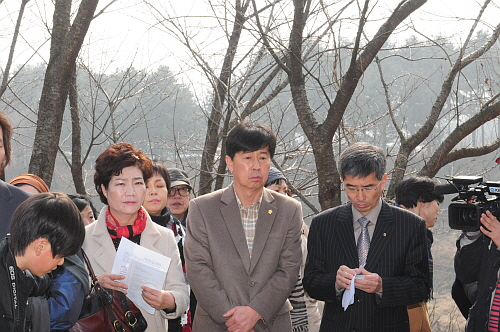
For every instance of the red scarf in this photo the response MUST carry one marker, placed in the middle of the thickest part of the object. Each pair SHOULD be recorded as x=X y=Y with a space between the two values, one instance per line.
x=117 y=232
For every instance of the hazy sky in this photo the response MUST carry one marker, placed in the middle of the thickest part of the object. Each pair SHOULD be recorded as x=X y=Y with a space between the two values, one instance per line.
x=127 y=34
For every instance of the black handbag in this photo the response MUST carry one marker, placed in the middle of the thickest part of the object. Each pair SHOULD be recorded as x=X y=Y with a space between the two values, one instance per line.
x=107 y=310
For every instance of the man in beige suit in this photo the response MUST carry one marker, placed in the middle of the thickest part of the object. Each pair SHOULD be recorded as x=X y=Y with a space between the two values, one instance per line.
x=242 y=247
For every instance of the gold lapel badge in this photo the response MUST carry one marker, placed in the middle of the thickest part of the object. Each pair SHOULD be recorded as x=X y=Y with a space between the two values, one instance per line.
x=269 y=211
x=385 y=234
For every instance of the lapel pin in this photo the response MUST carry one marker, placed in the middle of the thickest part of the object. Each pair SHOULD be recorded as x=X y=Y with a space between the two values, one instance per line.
x=269 y=211
x=385 y=234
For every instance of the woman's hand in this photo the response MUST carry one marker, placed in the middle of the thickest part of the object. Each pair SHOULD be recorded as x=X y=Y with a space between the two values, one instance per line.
x=111 y=281
x=158 y=299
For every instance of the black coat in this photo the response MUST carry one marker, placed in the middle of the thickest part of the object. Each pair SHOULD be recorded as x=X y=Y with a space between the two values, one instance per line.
x=398 y=254
x=479 y=262
x=13 y=308
x=10 y=198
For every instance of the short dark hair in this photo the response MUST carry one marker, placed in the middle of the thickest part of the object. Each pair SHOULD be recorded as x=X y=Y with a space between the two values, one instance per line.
x=7 y=134
x=416 y=189
x=161 y=170
x=113 y=160
x=248 y=137
x=81 y=201
x=362 y=159
x=52 y=216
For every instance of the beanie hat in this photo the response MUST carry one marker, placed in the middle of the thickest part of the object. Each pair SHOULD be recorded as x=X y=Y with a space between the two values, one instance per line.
x=178 y=177
x=32 y=180
x=274 y=174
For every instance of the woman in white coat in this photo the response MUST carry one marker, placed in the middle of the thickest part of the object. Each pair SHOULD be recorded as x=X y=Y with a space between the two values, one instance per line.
x=120 y=179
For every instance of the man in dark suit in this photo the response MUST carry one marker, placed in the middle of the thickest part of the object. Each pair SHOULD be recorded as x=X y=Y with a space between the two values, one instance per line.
x=242 y=247
x=389 y=240
x=10 y=196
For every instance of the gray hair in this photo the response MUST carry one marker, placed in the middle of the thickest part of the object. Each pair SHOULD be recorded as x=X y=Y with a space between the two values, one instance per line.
x=362 y=159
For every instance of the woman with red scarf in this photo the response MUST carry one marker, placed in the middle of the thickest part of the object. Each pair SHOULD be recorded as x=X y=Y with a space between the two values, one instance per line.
x=120 y=179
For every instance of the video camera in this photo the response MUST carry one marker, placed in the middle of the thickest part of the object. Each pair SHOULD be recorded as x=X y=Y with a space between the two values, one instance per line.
x=471 y=201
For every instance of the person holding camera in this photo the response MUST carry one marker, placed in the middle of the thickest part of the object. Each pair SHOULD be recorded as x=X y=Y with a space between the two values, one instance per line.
x=477 y=264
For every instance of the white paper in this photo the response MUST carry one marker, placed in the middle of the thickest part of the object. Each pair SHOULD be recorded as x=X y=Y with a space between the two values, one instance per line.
x=141 y=267
x=348 y=296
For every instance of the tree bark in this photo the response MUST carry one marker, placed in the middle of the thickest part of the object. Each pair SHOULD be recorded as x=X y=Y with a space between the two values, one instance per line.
x=65 y=46
x=76 y=138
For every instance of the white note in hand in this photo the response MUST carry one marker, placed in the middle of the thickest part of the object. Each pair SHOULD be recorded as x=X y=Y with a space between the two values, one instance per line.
x=141 y=267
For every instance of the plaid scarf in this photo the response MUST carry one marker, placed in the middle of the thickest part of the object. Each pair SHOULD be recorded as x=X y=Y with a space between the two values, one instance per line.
x=117 y=232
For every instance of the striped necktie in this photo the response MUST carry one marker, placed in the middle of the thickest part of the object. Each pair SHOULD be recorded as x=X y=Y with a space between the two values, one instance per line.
x=495 y=310
x=363 y=240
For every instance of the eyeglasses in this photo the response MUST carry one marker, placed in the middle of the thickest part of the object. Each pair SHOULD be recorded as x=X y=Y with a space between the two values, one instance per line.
x=364 y=190
x=183 y=191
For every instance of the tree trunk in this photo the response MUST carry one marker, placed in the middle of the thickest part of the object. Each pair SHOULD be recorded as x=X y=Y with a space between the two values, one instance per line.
x=65 y=46
x=76 y=138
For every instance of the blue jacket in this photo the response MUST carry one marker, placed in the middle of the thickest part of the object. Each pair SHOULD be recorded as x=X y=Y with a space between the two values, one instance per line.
x=70 y=284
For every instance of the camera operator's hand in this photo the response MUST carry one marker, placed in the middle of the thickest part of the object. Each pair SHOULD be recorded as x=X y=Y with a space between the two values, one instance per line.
x=491 y=227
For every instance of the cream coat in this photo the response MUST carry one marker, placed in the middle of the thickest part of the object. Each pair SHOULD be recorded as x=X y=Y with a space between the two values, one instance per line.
x=101 y=252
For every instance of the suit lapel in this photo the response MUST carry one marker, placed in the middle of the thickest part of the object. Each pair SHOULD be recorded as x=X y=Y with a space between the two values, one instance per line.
x=232 y=218
x=5 y=193
x=267 y=215
x=346 y=236
x=381 y=236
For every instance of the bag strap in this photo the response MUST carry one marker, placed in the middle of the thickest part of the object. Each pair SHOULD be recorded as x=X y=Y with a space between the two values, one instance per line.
x=95 y=282
x=89 y=267
x=129 y=315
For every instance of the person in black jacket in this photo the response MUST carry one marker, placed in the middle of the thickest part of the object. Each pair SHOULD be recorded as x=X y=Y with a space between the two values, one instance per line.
x=477 y=264
x=10 y=196
x=396 y=273
x=44 y=229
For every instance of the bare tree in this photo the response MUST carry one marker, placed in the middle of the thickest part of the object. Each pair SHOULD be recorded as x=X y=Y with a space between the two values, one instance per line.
x=442 y=155
x=321 y=134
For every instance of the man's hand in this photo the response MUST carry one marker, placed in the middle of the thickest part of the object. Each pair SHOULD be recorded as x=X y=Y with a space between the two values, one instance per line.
x=371 y=283
x=344 y=276
x=491 y=227
x=243 y=319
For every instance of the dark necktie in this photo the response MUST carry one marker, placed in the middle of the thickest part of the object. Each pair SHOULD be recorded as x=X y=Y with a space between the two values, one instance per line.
x=495 y=310
x=363 y=240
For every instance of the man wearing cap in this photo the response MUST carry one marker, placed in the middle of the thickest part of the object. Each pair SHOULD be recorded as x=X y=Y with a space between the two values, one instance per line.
x=179 y=195
x=242 y=246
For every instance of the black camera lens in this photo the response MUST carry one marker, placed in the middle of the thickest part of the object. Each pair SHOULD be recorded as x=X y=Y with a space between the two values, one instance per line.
x=464 y=216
